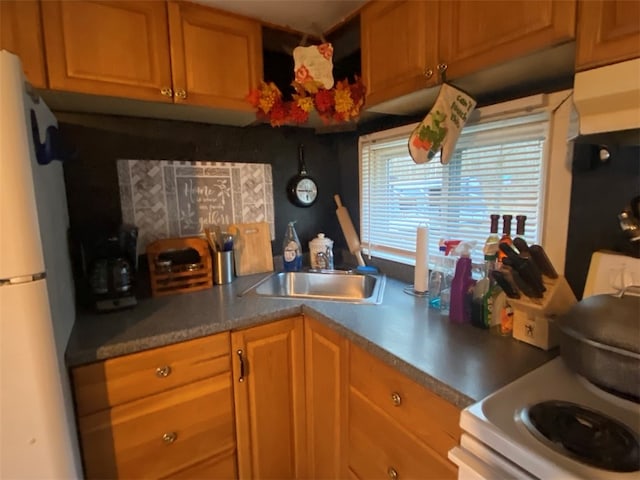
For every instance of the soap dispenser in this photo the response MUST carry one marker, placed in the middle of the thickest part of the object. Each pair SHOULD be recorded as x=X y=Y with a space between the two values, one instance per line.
x=292 y=250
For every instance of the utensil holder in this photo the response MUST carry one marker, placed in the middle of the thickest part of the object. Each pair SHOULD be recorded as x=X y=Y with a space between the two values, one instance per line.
x=223 y=267
x=532 y=319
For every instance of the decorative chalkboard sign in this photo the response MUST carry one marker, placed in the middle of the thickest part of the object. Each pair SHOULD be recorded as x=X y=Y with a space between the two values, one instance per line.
x=167 y=199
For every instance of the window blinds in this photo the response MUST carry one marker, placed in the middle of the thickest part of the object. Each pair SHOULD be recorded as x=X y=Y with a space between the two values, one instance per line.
x=497 y=167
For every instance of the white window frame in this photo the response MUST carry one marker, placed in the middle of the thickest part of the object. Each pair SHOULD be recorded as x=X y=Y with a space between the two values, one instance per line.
x=556 y=174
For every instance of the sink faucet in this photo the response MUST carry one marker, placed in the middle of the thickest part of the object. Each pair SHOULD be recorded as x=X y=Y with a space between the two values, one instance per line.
x=325 y=259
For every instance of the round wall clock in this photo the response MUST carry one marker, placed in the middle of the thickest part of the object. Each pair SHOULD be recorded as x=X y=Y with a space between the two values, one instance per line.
x=302 y=189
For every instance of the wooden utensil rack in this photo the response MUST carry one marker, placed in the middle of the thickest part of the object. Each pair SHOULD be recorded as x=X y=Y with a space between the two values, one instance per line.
x=179 y=278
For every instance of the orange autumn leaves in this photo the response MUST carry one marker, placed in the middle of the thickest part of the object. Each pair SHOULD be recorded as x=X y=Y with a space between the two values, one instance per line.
x=341 y=103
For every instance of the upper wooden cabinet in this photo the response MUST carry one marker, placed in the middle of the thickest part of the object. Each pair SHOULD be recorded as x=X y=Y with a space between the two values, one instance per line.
x=153 y=50
x=216 y=58
x=475 y=35
x=398 y=48
x=21 y=33
x=403 y=42
x=608 y=32
x=268 y=376
x=108 y=48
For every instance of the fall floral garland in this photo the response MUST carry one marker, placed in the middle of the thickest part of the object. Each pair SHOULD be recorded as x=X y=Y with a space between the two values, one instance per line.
x=341 y=103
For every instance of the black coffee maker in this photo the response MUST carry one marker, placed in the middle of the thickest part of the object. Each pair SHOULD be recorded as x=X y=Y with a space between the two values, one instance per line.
x=112 y=266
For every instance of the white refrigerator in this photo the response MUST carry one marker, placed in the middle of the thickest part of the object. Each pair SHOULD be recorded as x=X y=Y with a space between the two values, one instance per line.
x=37 y=306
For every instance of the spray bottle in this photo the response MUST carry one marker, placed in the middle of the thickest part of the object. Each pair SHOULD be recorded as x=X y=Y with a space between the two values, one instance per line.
x=461 y=285
x=292 y=250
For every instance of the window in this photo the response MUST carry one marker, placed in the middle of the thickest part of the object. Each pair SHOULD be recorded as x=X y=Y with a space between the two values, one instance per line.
x=499 y=166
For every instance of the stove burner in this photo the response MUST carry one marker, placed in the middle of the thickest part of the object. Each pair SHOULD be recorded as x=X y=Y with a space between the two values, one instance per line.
x=585 y=435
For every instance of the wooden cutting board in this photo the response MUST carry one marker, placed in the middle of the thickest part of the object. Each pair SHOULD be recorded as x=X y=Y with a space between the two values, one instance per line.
x=251 y=248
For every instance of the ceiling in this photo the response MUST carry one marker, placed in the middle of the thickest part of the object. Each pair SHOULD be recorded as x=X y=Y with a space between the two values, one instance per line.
x=314 y=17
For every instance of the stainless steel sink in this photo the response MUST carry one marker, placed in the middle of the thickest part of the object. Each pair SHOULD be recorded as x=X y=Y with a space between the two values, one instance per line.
x=337 y=287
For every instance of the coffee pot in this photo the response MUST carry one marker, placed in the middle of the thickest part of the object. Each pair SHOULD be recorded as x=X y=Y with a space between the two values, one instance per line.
x=111 y=277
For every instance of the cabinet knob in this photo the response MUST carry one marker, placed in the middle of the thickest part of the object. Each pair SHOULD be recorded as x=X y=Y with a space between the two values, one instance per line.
x=162 y=372
x=181 y=93
x=393 y=474
x=169 y=437
x=167 y=92
x=428 y=73
x=396 y=399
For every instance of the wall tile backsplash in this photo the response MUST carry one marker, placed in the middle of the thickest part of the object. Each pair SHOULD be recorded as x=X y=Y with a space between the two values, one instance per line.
x=167 y=199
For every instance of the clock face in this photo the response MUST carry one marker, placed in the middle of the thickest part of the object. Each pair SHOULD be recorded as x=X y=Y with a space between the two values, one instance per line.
x=304 y=192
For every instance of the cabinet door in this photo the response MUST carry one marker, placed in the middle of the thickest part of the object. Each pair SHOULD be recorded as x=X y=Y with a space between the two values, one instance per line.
x=475 y=35
x=116 y=48
x=21 y=33
x=268 y=375
x=399 y=44
x=608 y=32
x=326 y=375
x=216 y=58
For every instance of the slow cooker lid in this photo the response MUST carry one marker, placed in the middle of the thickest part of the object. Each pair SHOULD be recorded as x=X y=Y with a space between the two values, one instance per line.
x=606 y=319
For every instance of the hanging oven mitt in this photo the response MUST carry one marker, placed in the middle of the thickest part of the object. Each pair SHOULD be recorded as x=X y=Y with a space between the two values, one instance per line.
x=314 y=64
x=441 y=127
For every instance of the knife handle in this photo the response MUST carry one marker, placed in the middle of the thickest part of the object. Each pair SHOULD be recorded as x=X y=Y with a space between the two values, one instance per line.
x=541 y=259
x=525 y=286
x=509 y=289
x=521 y=245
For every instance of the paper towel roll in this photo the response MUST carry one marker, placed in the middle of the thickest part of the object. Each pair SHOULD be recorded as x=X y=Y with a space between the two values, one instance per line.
x=421 y=272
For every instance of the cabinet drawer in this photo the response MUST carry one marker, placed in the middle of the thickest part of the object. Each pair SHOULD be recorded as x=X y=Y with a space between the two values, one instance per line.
x=429 y=417
x=220 y=467
x=119 y=380
x=380 y=448
x=158 y=435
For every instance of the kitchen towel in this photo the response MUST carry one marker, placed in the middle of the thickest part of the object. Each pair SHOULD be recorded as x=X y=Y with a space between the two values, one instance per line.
x=439 y=130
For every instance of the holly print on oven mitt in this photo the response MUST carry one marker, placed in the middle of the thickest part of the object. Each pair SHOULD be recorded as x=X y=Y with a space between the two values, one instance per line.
x=440 y=129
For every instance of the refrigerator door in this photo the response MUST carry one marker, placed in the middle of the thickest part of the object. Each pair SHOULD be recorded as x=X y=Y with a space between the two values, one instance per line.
x=35 y=440
x=20 y=250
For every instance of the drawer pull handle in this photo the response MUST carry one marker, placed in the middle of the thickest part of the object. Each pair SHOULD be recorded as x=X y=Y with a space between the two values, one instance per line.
x=393 y=474
x=396 y=399
x=181 y=93
x=167 y=92
x=169 y=438
x=428 y=73
x=241 y=378
x=162 y=372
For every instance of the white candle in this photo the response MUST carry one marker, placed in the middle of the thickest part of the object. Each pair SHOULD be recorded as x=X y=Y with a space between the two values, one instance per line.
x=421 y=272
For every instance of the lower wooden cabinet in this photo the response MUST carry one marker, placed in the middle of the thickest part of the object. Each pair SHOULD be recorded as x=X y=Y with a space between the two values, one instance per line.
x=268 y=376
x=327 y=385
x=290 y=399
x=397 y=428
x=165 y=412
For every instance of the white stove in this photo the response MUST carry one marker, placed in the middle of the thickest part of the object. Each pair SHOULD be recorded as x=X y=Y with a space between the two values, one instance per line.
x=497 y=444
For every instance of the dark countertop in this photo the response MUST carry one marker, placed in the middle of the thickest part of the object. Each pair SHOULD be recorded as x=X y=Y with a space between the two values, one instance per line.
x=460 y=363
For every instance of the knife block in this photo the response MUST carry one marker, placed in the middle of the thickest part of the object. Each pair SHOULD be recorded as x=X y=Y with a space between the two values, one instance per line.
x=532 y=318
